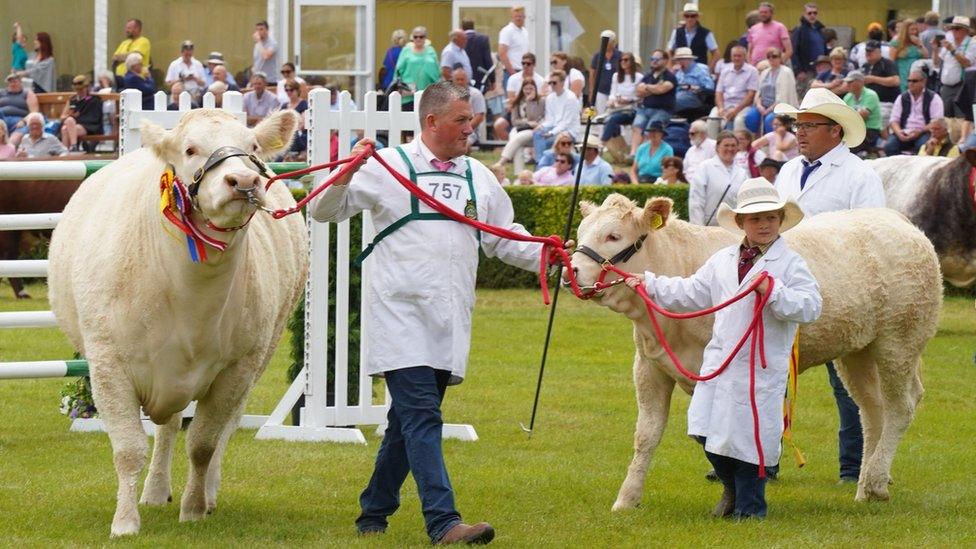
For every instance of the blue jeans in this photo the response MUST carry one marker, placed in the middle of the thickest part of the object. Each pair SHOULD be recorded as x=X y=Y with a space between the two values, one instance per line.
x=850 y=439
x=647 y=115
x=743 y=479
x=611 y=126
x=894 y=146
x=753 y=118
x=540 y=142
x=412 y=444
x=686 y=100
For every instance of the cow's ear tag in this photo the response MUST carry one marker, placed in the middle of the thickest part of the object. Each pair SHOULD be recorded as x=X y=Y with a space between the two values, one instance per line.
x=656 y=221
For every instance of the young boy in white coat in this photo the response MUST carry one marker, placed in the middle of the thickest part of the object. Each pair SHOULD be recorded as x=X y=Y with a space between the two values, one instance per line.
x=720 y=415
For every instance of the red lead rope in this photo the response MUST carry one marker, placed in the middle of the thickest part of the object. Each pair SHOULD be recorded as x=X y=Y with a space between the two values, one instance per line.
x=553 y=252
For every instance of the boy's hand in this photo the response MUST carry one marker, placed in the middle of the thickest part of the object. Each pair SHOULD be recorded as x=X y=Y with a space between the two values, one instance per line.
x=634 y=280
x=763 y=286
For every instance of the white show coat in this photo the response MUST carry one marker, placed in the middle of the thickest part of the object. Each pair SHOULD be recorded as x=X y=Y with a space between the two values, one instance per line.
x=420 y=290
x=842 y=182
x=707 y=187
x=720 y=408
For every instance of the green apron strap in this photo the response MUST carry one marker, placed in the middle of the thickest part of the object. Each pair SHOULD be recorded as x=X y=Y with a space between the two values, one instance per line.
x=469 y=176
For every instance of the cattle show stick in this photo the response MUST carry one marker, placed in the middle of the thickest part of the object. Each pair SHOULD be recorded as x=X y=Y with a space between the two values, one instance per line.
x=590 y=112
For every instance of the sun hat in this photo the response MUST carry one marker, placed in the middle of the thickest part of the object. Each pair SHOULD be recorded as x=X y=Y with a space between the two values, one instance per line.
x=216 y=58
x=826 y=103
x=592 y=142
x=854 y=75
x=79 y=79
x=186 y=44
x=959 y=21
x=690 y=7
x=683 y=53
x=822 y=59
x=758 y=195
x=656 y=126
x=12 y=76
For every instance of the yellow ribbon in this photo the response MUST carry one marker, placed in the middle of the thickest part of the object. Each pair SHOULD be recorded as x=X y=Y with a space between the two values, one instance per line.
x=789 y=404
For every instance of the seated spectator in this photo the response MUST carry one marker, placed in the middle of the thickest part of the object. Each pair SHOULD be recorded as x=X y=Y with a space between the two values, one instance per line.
x=696 y=89
x=478 y=106
x=563 y=144
x=559 y=174
x=702 y=147
x=779 y=144
x=736 y=90
x=36 y=143
x=288 y=73
x=16 y=103
x=724 y=61
x=525 y=178
x=500 y=175
x=881 y=75
x=222 y=75
x=259 y=102
x=527 y=113
x=596 y=170
x=769 y=169
x=865 y=101
x=833 y=78
x=657 y=90
x=138 y=78
x=776 y=85
x=622 y=100
x=299 y=144
x=647 y=162
x=105 y=83
x=672 y=172
x=217 y=89
x=216 y=62
x=188 y=71
x=716 y=182
x=6 y=149
x=81 y=116
x=562 y=114
x=560 y=61
x=858 y=55
x=503 y=124
x=910 y=116
x=939 y=143
x=747 y=157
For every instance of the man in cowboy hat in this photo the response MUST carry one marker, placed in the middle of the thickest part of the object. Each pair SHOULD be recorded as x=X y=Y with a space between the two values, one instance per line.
x=955 y=56
x=719 y=417
x=596 y=170
x=699 y=40
x=828 y=177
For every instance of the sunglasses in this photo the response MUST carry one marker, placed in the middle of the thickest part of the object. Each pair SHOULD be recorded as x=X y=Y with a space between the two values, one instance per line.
x=914 y=80
x=772 y=56
x=527 y=63
x=691 y=15
x=564 y=142
x=812 y=13
x=418 y=36
x=657 y=59
x=287 y=71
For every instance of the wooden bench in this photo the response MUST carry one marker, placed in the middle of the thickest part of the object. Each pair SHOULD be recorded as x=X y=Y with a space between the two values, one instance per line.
x=52 y=105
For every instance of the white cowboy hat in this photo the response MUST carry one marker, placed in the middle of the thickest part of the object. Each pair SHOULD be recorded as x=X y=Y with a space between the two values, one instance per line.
x=826 y=103
x=592 y=142
x=690 y=7
x=758 y=195
x=684 y=53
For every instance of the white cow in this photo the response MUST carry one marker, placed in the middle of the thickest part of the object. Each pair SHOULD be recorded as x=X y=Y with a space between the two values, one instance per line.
x=882 y=292
x=159 y=330
x=935 y=194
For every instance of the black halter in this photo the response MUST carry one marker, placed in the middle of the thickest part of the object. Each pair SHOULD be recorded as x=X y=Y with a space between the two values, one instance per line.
x=620 y=257
x=218 y=156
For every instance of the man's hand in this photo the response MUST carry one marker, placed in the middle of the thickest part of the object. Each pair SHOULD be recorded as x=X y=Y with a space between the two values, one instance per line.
x=256 y=36
x=356 y=151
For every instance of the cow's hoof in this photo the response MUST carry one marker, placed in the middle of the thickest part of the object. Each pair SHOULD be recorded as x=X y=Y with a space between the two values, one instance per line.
x=128 y=527
x=872 y=492
x=192 y=515
x=623 y=506
x=155 y=498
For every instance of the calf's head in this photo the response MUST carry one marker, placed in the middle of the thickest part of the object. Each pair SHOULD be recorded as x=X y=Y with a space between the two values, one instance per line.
x=611 y=229
x=222 y=190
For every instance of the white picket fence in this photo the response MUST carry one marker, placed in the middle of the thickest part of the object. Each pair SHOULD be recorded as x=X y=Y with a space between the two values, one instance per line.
x=319 y=421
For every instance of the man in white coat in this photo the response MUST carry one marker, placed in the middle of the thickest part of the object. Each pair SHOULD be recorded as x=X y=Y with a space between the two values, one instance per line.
x=419 y=298
x=827 y=177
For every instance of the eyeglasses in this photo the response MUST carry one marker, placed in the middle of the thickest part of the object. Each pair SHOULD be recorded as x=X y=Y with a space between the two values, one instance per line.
x=914 y=80
x=809 y=126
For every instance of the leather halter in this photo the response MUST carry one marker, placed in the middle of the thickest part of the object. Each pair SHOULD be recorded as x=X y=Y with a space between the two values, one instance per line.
x=620 y=257
x=218 y=156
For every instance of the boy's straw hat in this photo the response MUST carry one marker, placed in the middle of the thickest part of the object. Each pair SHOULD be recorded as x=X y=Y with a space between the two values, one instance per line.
x=758 y=195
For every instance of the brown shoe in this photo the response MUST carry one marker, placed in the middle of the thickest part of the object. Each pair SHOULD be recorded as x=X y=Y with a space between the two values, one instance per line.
x=480 y=534
x=726 y=505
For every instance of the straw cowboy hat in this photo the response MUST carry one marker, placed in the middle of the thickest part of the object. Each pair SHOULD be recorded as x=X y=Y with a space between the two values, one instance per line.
x=592 y=142
x=826 y=103
x=958 y=22
x=758 y=195
x=683 y=53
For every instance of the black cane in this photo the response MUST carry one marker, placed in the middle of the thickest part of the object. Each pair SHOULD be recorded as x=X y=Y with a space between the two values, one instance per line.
x=590 y=111
x=717 y=206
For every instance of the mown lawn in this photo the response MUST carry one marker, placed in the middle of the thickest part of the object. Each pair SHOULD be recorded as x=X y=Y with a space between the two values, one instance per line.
x=58 y=488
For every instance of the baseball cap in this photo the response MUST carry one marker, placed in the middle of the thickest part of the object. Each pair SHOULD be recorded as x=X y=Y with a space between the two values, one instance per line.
x=854 y=75
x=872 y=45
x=79 y=79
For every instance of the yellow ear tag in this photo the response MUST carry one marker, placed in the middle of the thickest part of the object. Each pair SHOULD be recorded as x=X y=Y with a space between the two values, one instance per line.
x=656 y=221
x=278 y=144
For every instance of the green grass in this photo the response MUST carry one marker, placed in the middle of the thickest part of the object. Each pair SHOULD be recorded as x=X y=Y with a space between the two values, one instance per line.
x=58 y=488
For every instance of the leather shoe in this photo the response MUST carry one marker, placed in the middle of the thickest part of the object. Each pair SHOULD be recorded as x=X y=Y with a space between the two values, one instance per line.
x=480 y=534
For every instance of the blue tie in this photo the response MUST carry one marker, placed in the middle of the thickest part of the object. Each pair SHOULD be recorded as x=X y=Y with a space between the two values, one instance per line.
x=807 y=170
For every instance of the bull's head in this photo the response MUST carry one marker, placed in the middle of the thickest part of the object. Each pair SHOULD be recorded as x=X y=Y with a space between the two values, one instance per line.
x=222 y=188
x=614 y=232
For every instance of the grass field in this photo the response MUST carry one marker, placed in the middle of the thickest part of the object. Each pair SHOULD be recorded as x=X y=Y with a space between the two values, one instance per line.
x=555 y=490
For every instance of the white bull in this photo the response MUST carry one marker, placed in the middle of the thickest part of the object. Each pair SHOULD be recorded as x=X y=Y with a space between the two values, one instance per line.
x=159 y=330
x=882 y=292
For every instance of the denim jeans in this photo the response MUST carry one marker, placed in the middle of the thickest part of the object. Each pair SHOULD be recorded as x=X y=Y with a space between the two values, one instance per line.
x=686 y=100
x=648 y=115
x=743 y=479
x=611 y=126
x=850 y=440
x=894 y=146
x=412 y=443
x=541 y=143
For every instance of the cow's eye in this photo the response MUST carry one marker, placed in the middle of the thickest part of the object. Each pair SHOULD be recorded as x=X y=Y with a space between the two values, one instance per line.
x=613 y=237
x=190 y=151
x=254 y=148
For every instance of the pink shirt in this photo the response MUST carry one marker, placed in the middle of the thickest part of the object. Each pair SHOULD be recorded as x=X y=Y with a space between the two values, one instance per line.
x=7 y=151
x=916 y=118
x=763 y=36
x=548 y=177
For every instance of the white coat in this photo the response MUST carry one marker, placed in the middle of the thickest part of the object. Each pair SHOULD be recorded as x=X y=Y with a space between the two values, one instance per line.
x=419 y=291
x=842 y=182
x=713 y=183
x=720 y=408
